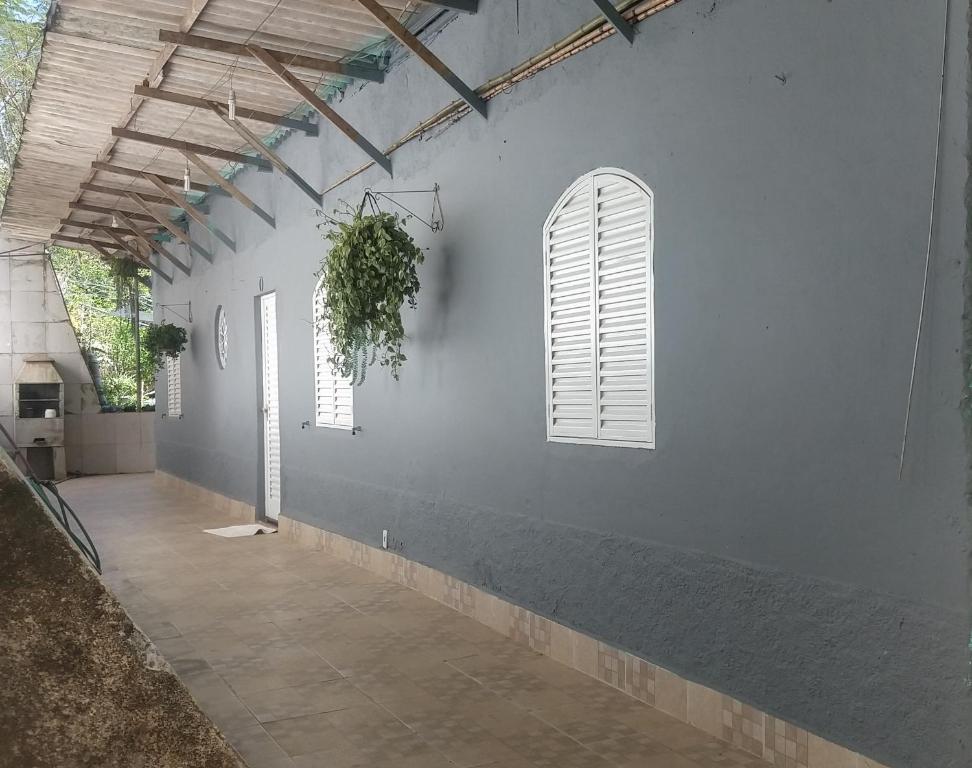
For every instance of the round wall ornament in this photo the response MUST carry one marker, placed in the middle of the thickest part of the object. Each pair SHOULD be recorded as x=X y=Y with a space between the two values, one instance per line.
x=222 y=339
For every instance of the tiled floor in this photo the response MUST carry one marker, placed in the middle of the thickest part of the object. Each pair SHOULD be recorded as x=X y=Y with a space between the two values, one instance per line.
x=306 y=661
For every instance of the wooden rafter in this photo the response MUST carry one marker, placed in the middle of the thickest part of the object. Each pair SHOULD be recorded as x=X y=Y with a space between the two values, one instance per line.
x=137 y=174
x=321 y=106
x=416 y=46
x=192 y=211
x=183 y=146
x=152 y=244
x=101 y=190
x=156 y=71
x=617 y=20
x=170 y=225
x=358 y=71
x=254 y=141
x=229 y=187
x=93 y=225
x=88 y=208
x=193 y=12
x=306 y=126
x=82 y=240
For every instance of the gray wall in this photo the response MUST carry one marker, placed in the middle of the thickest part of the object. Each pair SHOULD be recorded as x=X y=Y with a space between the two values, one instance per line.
x=766 y=547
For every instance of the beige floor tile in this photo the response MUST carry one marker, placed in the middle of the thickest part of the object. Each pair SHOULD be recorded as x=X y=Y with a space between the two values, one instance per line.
x=305 y=734
x=305 y=660
x=308 y=699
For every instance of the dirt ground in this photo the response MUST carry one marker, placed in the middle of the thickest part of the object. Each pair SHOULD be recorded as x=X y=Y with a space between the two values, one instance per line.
x=77 y=687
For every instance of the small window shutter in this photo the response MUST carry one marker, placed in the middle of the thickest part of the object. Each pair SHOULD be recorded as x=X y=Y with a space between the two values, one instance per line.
x=173 y=377
x=333 y=393
x=571 y=399
x=622 y=230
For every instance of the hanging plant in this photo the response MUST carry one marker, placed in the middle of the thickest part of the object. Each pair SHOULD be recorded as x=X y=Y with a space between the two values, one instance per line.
x=124 y=273
x=164 y=340
x=367 y=276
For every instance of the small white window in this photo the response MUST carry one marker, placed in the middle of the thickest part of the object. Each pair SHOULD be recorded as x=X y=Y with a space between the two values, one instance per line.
x=173 y=379
x=598 y=313
x=332 y=392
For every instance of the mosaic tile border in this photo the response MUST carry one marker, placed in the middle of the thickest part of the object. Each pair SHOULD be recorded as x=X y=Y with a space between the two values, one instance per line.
x=238 y=509
x=780 y=744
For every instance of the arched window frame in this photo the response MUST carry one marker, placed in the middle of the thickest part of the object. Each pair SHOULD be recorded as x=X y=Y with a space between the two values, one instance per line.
x=595 y=433
x=326 y=410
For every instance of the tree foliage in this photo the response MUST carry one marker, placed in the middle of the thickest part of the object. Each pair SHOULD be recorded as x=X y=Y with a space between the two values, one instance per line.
x=103 y=324
x=21 y=35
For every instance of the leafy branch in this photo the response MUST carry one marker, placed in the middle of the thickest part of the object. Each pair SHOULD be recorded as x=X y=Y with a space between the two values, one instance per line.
x=369 y=273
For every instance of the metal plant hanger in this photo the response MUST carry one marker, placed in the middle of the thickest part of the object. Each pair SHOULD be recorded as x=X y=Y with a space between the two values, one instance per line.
x=169 y=307
x=373 y=199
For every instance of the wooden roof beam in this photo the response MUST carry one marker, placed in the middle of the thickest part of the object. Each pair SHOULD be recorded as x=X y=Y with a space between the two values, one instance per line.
x=108 y=211
x=254 y=141
x=192 y=211
x=416 y=46
x=306 y=126
x=93 y=225
x=146 y=198
x=358 y=71
x=170 y=225
x=183 y=146
x=137 y=174
x=81 y=240
x=152 y=244
x=321 y=106
x=617 y=20
x=229 y=187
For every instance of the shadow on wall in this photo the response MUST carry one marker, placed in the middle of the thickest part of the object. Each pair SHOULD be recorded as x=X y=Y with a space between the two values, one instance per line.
x=436 y=294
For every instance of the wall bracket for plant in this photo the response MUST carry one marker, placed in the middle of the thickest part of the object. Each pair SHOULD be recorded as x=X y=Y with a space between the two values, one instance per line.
x=435 y=222
x=169 y=307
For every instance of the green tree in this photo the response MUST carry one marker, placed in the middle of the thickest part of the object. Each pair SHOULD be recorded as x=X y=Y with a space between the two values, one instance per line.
x=21 y=36
x=104 y=321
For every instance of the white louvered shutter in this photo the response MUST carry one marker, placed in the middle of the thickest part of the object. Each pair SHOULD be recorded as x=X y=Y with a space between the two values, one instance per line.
x=332 y=392
x=173 y=381
x=599 y=314
x=569 y=297
x=271 y=406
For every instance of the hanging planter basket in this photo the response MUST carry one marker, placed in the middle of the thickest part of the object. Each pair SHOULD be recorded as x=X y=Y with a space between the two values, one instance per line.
x=369 y=273
x=164 y=340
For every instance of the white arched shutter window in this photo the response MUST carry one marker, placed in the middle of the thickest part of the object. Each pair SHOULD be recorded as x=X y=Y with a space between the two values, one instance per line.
x=598 y=313
x=332 y=392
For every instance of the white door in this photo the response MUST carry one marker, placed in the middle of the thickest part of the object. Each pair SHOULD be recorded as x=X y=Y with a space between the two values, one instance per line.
x=271 y=407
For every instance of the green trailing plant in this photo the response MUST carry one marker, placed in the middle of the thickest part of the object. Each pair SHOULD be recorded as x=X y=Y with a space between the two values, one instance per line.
x=164 y=340
x=124 y=274
x=369 y=273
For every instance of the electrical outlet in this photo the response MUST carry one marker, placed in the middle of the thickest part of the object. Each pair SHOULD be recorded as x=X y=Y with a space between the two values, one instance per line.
x=384 y=539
